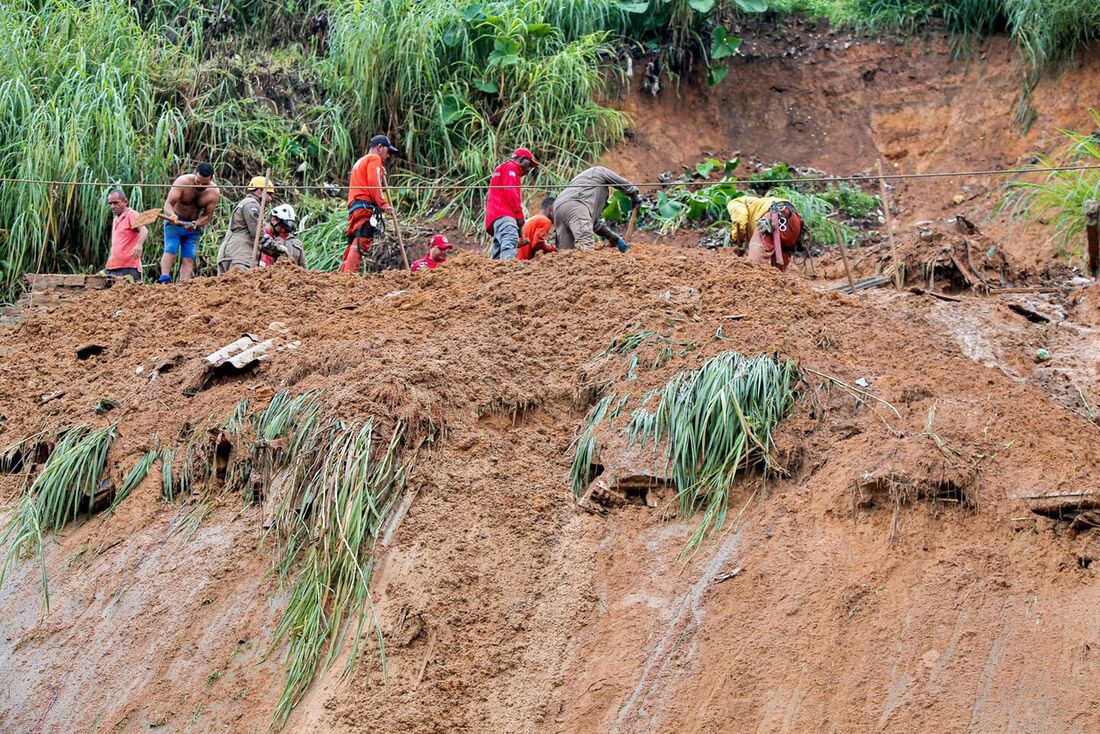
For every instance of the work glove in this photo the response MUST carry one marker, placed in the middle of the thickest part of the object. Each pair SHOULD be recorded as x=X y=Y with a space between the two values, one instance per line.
x=636 y=199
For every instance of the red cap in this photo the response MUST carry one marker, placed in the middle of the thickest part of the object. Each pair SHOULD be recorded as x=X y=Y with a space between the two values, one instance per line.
x=441 y=242
x=524 y=153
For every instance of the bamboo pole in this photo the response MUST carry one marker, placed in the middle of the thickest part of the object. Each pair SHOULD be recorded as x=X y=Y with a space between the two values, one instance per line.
x=260 y=220
x=1092 y=232
x=899 y=268
x=844 y=257
x=396 y=226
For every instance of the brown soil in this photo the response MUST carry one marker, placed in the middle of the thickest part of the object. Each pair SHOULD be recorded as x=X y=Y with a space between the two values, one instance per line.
x=896 y=579
x=838 y=102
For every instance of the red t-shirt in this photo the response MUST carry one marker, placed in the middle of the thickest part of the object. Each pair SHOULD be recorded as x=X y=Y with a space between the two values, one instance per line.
x=504 y=198
x=424 y=263
x=124 y=240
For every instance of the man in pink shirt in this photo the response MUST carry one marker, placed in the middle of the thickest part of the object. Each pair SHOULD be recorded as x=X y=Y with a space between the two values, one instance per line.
x=437 y=254
x=126 y=240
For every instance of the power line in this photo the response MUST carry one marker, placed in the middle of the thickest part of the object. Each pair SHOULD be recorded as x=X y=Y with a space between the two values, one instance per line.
x=867 y=178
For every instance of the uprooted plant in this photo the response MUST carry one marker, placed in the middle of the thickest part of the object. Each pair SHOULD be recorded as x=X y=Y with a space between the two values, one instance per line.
x=69 y=478
x=709 y=425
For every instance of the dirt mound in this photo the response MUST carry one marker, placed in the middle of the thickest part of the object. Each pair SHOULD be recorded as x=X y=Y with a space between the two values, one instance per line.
x=892 y=579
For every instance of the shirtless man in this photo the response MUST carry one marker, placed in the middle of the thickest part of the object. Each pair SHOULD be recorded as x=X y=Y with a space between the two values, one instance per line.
x=189 y=207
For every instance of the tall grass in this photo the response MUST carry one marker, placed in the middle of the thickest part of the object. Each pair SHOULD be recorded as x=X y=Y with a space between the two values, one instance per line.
x=1060 y=196
x=89 y=94
x=713 y=423
x=465 y=84
x=68 y=480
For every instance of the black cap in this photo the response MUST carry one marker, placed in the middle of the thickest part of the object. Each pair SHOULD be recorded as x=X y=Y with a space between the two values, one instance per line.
x=383 y=140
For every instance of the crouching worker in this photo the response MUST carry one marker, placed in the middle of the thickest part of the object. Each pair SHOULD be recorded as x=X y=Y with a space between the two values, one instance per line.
x=235 y=252
x=127 y=240
x=770 y=227
x=536 y=230
x=278 y=238
x=578 y=209
x=437 y=254
x=366 y=201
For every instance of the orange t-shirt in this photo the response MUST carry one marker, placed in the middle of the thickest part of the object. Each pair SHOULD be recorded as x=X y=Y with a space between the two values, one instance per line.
x=366 y=180
x=535 y=230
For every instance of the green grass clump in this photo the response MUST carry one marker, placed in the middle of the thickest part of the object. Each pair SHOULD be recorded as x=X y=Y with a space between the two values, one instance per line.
x=584 y=446
x=69 y=478
x=851 y=200
x=713 y=423
x=326 y=525
x=1060 y=196
x=136 y=476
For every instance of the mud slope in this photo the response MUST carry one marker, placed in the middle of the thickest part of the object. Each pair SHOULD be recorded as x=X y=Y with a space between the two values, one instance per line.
x=889 y=582
x=839 y=102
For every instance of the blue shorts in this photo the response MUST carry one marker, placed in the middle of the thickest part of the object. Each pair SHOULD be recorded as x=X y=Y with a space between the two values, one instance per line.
x=181 y=241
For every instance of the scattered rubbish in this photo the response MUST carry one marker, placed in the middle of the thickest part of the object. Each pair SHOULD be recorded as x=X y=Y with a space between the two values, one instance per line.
x=89 y=350
x=1042 y=355
x=727 y=576
x=105 y=405
x=48 y=397
x=862 y=382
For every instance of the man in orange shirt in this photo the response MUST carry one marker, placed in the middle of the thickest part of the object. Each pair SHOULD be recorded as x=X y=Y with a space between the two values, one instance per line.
x=535 y=231
x=366 y=201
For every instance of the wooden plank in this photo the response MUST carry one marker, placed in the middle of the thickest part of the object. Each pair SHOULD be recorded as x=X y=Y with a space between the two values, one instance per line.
x=1092 y=233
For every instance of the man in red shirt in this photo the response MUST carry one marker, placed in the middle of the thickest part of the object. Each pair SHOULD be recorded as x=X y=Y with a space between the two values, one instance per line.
x=126 y=240
x=535 y=231
x=504 y=207
x=366 y=201
x=437 y=254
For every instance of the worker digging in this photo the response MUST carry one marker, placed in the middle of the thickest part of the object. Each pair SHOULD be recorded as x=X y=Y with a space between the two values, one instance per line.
x=579 y=208
x=366 y=201
x=504 y=214
x=770 y=228
x=437 y=254
x=278 y=241
x=187 y=210
x=238 y=245
x=536 y=232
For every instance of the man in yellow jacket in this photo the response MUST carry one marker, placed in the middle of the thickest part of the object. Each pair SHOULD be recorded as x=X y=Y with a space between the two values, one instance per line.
x=770 y=227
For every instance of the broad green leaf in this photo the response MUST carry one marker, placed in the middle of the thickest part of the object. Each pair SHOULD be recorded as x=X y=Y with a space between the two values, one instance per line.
x=752 y=6
x=451 y=108
x=702 y=6
x=715 y=75
x=487 y=85
x=634 y=7
x=722 y=44
x=539 y=30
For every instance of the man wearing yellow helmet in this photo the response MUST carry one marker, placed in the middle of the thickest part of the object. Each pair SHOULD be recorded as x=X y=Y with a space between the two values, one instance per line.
x=240 y=238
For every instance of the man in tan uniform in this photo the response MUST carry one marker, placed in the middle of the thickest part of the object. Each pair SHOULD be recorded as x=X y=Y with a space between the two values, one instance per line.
x=236 y=249
x=577 y=210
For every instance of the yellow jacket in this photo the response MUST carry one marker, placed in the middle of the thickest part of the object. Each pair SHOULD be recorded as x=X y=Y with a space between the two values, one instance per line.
x=745 y=212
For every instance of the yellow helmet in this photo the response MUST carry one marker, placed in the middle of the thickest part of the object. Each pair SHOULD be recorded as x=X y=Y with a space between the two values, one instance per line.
x=259 y=182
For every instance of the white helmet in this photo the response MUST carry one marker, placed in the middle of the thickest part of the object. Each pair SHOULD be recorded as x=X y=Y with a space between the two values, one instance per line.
x=285 y=213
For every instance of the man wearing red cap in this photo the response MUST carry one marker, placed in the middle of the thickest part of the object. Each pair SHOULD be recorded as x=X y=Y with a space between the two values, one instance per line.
x=437 y=254
x=504 y=208
x=366 y=201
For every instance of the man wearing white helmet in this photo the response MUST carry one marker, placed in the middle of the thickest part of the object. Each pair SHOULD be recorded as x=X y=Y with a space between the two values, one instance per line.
x=236 y=250
x=278 y=238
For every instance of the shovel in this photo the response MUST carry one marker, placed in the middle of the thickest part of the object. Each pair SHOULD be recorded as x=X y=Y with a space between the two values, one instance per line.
x=633 y=219
x=149 y=216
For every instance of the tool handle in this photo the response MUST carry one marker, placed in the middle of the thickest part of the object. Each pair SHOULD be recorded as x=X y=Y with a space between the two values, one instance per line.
x=260 y=220
x=633 y=219
x=396 y=226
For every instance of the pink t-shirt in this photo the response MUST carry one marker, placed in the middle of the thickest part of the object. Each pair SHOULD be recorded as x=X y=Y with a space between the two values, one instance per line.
x=123 y=241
